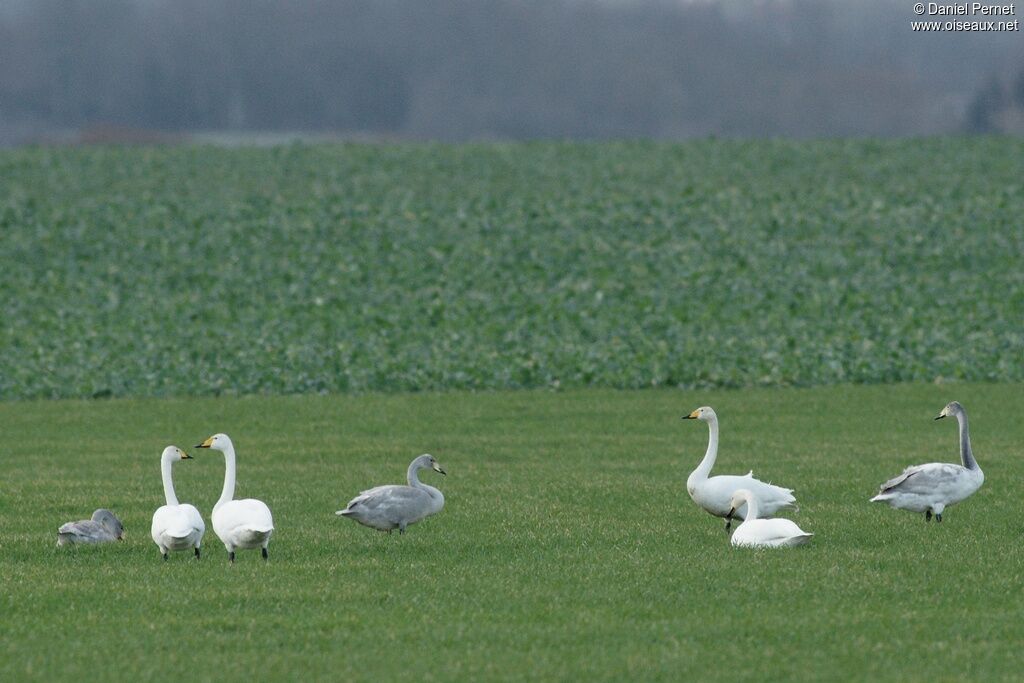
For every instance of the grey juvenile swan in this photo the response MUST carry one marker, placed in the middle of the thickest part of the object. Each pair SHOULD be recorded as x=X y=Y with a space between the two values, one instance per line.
x=102 y=528
x=933 y=487
x=395 y=506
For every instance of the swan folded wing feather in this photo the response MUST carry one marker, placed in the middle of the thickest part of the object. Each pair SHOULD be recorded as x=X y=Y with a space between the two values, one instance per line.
x=172 y=521
x=246 y=513
x=715 y=494
x=923 y=479
x=387 y=496
x=85 y=528
x=769 y=531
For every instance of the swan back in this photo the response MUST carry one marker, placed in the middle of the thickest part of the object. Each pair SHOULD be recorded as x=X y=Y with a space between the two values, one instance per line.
x=102 y=527
x=769 y=533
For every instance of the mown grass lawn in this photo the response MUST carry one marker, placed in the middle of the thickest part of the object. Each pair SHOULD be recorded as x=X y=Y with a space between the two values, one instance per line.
x=568 y=548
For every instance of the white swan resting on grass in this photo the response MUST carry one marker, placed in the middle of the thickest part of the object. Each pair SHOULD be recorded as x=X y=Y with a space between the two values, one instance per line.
x=714 y=494
x=102 y=528
x=395 y=506
x=176 y=526
x=933 y=487
x=764 y=533
x=240 y=524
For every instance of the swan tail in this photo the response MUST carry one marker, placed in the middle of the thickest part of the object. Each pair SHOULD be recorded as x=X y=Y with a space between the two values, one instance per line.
x=255 y=532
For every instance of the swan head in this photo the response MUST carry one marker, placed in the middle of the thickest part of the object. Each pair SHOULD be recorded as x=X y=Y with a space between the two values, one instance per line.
x=704 y=413
x=172 y=453
x=218 y=442
x=952 y=409
x=739 y=499
x=109 y=521
x=428 y=462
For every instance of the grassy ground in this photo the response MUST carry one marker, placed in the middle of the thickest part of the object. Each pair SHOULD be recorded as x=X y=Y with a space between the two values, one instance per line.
x=183 y=271
x=568 y=548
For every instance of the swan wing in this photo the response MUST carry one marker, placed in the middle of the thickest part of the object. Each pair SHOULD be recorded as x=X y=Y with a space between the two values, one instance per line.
x=924 y=479
x=388 y=496
x=195 y=519
x=177 y=521
x=715 y=495
x=768 y=532
x=248 y=513
x=85 y=529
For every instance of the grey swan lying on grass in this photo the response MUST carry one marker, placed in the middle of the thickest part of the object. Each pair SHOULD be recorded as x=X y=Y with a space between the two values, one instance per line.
x=102 y=528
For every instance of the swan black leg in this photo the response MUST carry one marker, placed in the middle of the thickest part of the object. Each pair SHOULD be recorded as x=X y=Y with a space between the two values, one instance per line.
x=938 y=518
x=266 y=555
x=728 y=524
x=165 y=557
x=197 y=553
x=927 y=515
x=231 y=556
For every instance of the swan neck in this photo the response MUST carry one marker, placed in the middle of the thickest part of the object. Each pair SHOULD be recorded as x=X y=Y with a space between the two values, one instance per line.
x=413 y=476
x=966 y=455
x=165 y=472
x=228 y=492
x=704 y=468
x=753 y=512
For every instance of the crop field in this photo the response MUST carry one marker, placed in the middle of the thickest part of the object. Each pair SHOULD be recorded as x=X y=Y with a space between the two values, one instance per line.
x=567 y=550
x=322 y=269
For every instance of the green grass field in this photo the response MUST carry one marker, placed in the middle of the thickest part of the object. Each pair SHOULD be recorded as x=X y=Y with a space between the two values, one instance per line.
x=568 y=549
x=323 y=269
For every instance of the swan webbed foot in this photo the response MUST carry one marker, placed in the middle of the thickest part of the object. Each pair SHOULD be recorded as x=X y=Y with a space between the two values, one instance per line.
x=927 y=515
x=197 y=554
x=165 y=557
x=266 y=555
x=231 y=556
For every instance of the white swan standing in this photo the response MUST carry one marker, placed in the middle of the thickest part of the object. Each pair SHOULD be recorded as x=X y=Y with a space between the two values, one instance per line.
x=714 y=494
x=102 y=528
x=240 y=524
x=395 y=506
x=176 y=526
x=933 y=487
x=764 y=533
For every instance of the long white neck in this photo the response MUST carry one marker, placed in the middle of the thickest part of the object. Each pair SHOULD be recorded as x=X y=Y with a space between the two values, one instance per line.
x=227 y=494
x=752 y=510
x=165 y=471
x=966 y=456
x=704 y=468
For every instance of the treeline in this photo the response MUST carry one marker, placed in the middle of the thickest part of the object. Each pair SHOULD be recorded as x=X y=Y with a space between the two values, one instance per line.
x=480 y=69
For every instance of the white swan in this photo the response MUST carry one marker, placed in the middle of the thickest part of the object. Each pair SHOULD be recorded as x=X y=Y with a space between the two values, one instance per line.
x=102 y=528
x=933 y=487
x=395 y=506
x=240 y=524
x=175 y=526
x=714 y=494
x=764 y=533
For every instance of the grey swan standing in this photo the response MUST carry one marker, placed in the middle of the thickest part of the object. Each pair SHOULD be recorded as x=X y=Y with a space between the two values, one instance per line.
x=395 y=506
x=933 y=487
